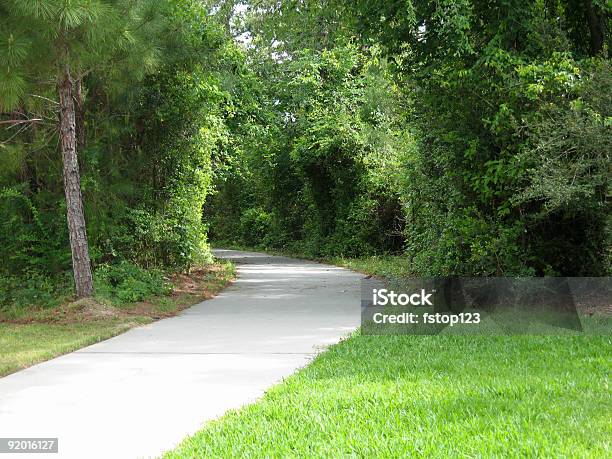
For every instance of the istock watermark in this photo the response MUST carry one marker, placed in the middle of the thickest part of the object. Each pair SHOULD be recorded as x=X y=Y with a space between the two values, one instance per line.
x=490 y=306
x=384 y=297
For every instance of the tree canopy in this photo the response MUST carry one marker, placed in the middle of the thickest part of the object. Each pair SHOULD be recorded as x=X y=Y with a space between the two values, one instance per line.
x=473 y=137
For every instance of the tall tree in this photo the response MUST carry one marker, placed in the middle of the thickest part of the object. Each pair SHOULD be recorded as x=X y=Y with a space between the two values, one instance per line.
x=46 y=43
x=72 y=185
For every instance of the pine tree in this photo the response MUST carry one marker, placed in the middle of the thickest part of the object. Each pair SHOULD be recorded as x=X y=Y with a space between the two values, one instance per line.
x=46 y=49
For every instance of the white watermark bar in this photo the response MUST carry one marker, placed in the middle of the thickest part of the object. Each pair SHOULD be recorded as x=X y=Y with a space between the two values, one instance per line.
x=487 y=305
x=28 y=445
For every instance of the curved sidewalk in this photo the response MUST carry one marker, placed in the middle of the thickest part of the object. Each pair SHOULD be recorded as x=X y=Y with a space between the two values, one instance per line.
x=140 y=393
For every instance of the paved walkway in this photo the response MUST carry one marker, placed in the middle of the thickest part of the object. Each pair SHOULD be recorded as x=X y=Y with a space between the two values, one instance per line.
x=140 y=393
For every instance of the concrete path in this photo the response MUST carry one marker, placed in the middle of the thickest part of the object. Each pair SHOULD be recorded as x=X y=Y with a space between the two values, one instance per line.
x=141 y=393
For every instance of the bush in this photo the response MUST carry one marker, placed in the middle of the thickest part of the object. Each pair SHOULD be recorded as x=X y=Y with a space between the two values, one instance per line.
x=33 y=290
x=254 y=226
x=127 y=283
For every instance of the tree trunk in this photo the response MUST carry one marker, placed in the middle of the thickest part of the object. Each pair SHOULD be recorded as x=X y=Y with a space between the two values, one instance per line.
x=596 y=27
x=72 y=187
x=80 y=115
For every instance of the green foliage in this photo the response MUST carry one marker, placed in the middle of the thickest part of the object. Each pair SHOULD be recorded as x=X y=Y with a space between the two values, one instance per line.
x=472 y=136
x=32 y=290
x=127 y=283
x=154 y=112
x=510 y=175
x=254 y=226
x=475 y=134
x=321 y=174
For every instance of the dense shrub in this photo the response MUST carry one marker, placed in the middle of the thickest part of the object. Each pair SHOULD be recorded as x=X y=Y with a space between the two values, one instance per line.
x=33 y=290
x=126 y=282
x=254 y=226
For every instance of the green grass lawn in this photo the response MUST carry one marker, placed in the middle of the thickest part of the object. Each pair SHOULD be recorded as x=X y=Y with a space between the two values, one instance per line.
x=429 y=396
x=23 y=345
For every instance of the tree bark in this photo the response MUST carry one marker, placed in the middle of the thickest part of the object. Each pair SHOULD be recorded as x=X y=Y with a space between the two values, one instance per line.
x=80 y=115
x=72 y=187
x=596 y=27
